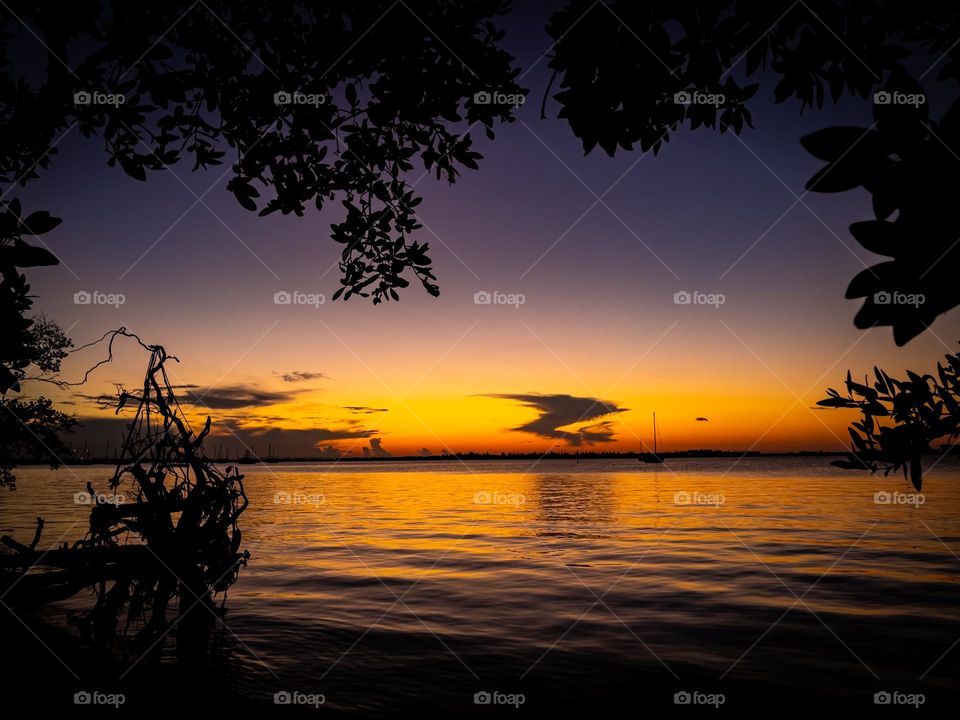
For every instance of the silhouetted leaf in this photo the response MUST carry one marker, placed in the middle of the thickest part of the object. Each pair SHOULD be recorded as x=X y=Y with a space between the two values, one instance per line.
x=40 y=222
x=25 y=255
x=878 y=237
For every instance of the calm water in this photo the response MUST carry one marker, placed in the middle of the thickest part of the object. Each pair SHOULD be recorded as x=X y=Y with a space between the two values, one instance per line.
x=399 y=585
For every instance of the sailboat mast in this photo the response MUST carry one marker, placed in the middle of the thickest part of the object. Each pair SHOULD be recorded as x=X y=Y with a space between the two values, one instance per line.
x=654 y=433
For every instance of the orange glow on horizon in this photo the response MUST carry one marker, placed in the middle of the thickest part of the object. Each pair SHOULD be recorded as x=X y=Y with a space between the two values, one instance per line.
x=459 y=391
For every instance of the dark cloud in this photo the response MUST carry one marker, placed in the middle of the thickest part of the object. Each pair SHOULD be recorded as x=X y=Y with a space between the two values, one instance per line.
x=257 y=422
x=376 y=448
x=104 y=398
x=112 y=397
x=109 y=427
x=703 y=419
x=600 y=432
x=233 y=434
x=98 y=433
x=326 y=435
x=363 y=409
x=557 y=411
x=231 y=397
x=295 y=376
x=235 y=397
x=287 y=441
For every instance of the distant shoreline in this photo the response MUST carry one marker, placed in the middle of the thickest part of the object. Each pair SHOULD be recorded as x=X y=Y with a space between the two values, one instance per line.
x=679 y=455
x=683 y=455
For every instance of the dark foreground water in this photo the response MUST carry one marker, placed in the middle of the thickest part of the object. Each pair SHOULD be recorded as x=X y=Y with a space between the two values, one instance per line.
x=402 y=587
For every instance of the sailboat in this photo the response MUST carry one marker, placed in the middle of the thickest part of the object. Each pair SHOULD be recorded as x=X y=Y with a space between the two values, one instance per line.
x=271 y=458
x=653 y=457
x=248 y=458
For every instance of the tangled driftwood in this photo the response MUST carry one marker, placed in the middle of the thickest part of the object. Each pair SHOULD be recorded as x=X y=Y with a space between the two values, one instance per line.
x=177 y=538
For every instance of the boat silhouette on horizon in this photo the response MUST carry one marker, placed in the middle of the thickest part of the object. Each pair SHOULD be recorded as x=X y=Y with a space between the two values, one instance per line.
x=653 y=457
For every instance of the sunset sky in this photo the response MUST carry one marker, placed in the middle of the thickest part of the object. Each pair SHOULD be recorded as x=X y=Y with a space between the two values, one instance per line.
x=597 y=247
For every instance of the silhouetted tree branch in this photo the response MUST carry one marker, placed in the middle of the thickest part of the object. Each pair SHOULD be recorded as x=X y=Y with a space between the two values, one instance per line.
x=906 y=163
x=632 y=73
x=901 y=418
x=24 y=341
x=314 y=102
x=31 y=429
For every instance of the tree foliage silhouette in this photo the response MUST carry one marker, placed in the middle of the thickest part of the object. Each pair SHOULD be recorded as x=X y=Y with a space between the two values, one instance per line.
x=310 y=103
x=625 y=67
x=904 y=162
x=314 y=102
x=900 y=418
x=24 y=342
x=28 y=428
x=32 y=429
